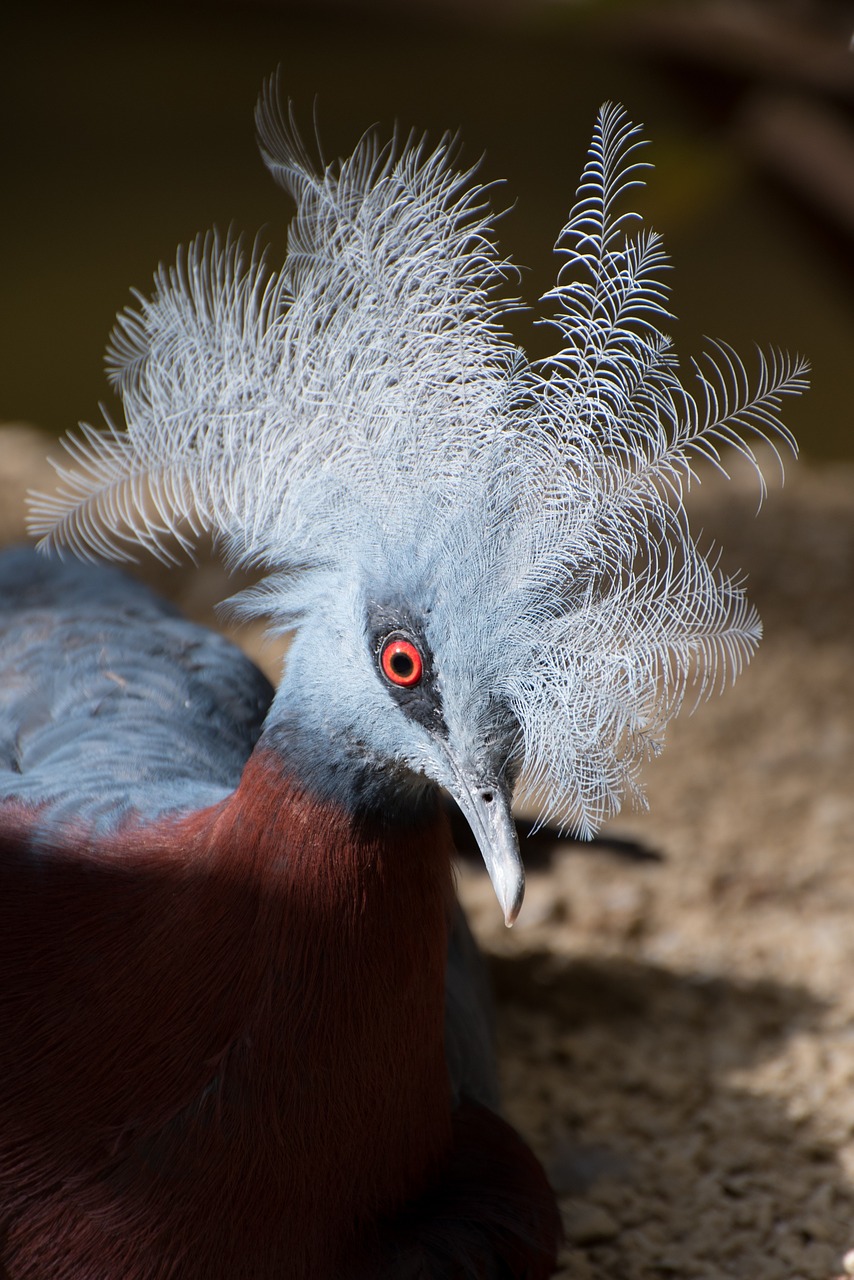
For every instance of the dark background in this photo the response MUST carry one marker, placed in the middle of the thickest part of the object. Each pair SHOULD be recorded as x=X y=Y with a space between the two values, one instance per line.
x=128 y=128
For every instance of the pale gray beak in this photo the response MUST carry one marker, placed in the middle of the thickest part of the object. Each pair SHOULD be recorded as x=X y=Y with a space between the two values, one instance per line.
x=486 y=808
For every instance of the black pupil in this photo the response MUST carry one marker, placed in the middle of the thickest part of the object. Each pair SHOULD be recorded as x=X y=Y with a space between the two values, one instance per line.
x=402 y=664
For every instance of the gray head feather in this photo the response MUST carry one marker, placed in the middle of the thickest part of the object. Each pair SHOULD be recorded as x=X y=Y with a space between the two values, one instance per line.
x=362 y=416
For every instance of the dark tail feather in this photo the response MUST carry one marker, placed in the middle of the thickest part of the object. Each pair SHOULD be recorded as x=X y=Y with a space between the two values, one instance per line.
x=491 y=1214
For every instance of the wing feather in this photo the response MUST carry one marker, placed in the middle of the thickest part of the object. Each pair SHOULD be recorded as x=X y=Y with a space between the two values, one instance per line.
x=112 y=706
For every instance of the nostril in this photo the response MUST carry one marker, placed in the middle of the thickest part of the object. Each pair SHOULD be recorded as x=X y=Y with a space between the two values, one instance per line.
x=488 y=797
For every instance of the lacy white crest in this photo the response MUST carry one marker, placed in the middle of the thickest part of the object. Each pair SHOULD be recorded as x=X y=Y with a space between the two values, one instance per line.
x=364 y=411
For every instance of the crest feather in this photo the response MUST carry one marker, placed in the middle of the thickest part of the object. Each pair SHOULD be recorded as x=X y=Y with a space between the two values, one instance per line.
x=367 y=398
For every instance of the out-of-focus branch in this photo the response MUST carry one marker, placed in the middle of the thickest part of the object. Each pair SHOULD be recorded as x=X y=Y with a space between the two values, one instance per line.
x=746 y=37
x=807 y=144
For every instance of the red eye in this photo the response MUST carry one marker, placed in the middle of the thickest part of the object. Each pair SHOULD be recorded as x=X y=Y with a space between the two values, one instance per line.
x=401 y=663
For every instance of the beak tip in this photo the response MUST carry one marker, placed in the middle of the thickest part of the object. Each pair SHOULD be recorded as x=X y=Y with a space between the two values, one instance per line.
x=511 y=911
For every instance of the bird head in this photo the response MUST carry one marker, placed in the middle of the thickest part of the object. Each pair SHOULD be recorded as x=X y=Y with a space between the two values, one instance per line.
x=485 y=560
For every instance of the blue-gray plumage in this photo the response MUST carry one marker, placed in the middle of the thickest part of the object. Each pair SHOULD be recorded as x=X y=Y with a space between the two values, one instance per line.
x=111 y=704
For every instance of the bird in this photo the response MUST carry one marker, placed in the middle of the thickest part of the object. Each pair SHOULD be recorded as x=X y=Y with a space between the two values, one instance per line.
x=244 y=1029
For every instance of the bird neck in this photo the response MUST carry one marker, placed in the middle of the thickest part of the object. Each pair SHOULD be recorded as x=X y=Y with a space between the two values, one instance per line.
x=309 y=841
x=341 y=742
